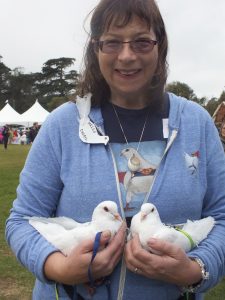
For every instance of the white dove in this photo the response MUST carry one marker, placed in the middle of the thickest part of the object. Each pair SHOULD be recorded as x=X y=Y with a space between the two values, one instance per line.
x=147 y=224
x=140 y=175
x=65 y=233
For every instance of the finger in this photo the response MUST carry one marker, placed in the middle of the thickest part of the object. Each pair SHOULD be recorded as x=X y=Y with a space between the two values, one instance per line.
x=113 y=252
x=87 y=246
x=135 y=255
x=165 y=248
x=117 y=254
x=128 y=256
x=118 y=240
x=137 y=250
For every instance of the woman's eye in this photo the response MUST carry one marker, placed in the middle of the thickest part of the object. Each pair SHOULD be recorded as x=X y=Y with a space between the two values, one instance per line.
x=142 y=42
x=111 y=42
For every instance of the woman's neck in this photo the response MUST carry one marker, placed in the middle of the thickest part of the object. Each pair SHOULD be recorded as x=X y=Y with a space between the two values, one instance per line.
x=130 y=102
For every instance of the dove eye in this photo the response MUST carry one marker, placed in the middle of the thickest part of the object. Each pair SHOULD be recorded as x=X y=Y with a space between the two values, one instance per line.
x=152 y=209
x=106 y=208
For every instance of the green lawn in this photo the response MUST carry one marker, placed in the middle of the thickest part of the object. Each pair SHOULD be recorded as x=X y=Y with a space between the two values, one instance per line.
x=15 y=281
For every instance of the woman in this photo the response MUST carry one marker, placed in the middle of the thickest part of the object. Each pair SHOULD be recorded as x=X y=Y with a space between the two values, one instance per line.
x=162 y=149
x=222 y=134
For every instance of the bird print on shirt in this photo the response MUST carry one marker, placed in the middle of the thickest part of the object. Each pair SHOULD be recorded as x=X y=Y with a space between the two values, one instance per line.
x=192 y=161
x=137 y=179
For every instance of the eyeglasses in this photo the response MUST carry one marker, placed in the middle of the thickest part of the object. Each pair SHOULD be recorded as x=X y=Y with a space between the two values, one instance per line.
x=114 y=46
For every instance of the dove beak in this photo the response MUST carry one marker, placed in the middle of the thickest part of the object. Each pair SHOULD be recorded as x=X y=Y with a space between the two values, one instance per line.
x=117 y=217
x=143 y=216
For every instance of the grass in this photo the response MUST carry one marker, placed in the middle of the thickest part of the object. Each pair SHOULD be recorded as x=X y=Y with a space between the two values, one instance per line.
x=15 y=281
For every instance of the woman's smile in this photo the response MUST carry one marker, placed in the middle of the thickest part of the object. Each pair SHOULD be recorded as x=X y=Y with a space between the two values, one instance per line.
x=128 y=74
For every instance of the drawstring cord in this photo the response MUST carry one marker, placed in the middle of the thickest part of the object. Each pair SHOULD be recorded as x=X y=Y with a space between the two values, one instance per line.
x=92 y=286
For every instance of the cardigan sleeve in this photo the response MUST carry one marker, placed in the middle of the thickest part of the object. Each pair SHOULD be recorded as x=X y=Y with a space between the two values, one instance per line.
x=38 y=193
x=212 y=250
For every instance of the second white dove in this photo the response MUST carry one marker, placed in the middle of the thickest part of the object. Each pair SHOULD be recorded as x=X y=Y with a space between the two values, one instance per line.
x=147 y=224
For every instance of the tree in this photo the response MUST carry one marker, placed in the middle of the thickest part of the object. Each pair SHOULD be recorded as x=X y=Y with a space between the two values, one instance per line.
x=55 y=80
x=4 y=82
x=53 y=86
x=212 y=105
x=23 y=91
x=55 y=102
x=181 y=89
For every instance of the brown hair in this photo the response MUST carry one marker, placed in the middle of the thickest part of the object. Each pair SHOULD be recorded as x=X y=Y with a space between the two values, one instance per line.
x=120 y=13
x=221 y=128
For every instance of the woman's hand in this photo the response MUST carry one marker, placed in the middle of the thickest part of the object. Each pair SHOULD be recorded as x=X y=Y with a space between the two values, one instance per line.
x=73 y=269
x=173 y=265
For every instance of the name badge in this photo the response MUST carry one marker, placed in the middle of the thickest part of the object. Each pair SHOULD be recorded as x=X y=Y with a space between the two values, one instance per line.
x=88 y=132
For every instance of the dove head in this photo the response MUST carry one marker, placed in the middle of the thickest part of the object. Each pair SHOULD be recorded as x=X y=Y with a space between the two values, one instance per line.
x=129 y=152
x=106 y=210
x=149 y=212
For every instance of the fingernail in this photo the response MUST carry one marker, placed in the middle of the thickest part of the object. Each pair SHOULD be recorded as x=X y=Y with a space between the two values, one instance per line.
x=106 y=235
x=152 y=241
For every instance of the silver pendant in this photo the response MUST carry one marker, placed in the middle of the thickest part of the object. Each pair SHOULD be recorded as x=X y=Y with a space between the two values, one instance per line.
x=134 y=163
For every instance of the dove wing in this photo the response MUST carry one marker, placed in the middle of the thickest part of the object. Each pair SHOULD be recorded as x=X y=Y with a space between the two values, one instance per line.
x=199 y=229
x=53 y=233
x=62 y=239
x=65 y=222
x=62 y=232
x=171 y=235
x=167 y=234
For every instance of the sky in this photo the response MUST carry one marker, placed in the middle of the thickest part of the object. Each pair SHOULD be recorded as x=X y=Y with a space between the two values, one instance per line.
x=34 y=31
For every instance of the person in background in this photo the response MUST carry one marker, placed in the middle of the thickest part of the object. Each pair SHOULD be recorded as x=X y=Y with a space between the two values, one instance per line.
x=6 y=134
x=222 y=134
x=16 y=137
x=10 y=140
x=33 y=132
x=127 y=140
x=23 y=138
x=1 y=136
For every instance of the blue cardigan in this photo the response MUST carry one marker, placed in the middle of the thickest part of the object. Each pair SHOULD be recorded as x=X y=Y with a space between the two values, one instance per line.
x=63 y=176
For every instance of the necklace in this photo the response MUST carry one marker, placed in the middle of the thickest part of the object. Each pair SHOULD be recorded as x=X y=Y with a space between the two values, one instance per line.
x=134 y=162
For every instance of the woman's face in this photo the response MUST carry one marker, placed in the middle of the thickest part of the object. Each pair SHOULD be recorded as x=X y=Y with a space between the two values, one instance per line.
x=129 y=74
x=223 y=130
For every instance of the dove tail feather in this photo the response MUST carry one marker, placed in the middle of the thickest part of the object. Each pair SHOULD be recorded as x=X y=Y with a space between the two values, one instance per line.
x=199 y=229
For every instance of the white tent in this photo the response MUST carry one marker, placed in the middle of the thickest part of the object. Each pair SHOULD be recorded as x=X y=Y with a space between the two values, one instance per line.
x=36 y=113
x=8 y=115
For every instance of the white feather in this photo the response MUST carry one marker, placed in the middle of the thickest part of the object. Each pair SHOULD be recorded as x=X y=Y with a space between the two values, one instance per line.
x=147 y=224
x=65 y=233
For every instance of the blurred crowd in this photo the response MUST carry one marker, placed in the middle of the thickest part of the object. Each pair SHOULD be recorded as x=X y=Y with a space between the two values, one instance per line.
x=21 y=135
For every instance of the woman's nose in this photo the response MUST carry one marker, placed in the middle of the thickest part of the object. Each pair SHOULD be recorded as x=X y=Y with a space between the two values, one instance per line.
x=126 y=53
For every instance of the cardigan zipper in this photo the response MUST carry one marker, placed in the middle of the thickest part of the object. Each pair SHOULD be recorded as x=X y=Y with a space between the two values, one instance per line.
x=123 y=265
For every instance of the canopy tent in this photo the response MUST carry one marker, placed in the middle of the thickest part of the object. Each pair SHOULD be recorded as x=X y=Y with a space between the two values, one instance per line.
x=36 y=113
x=8 y=115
